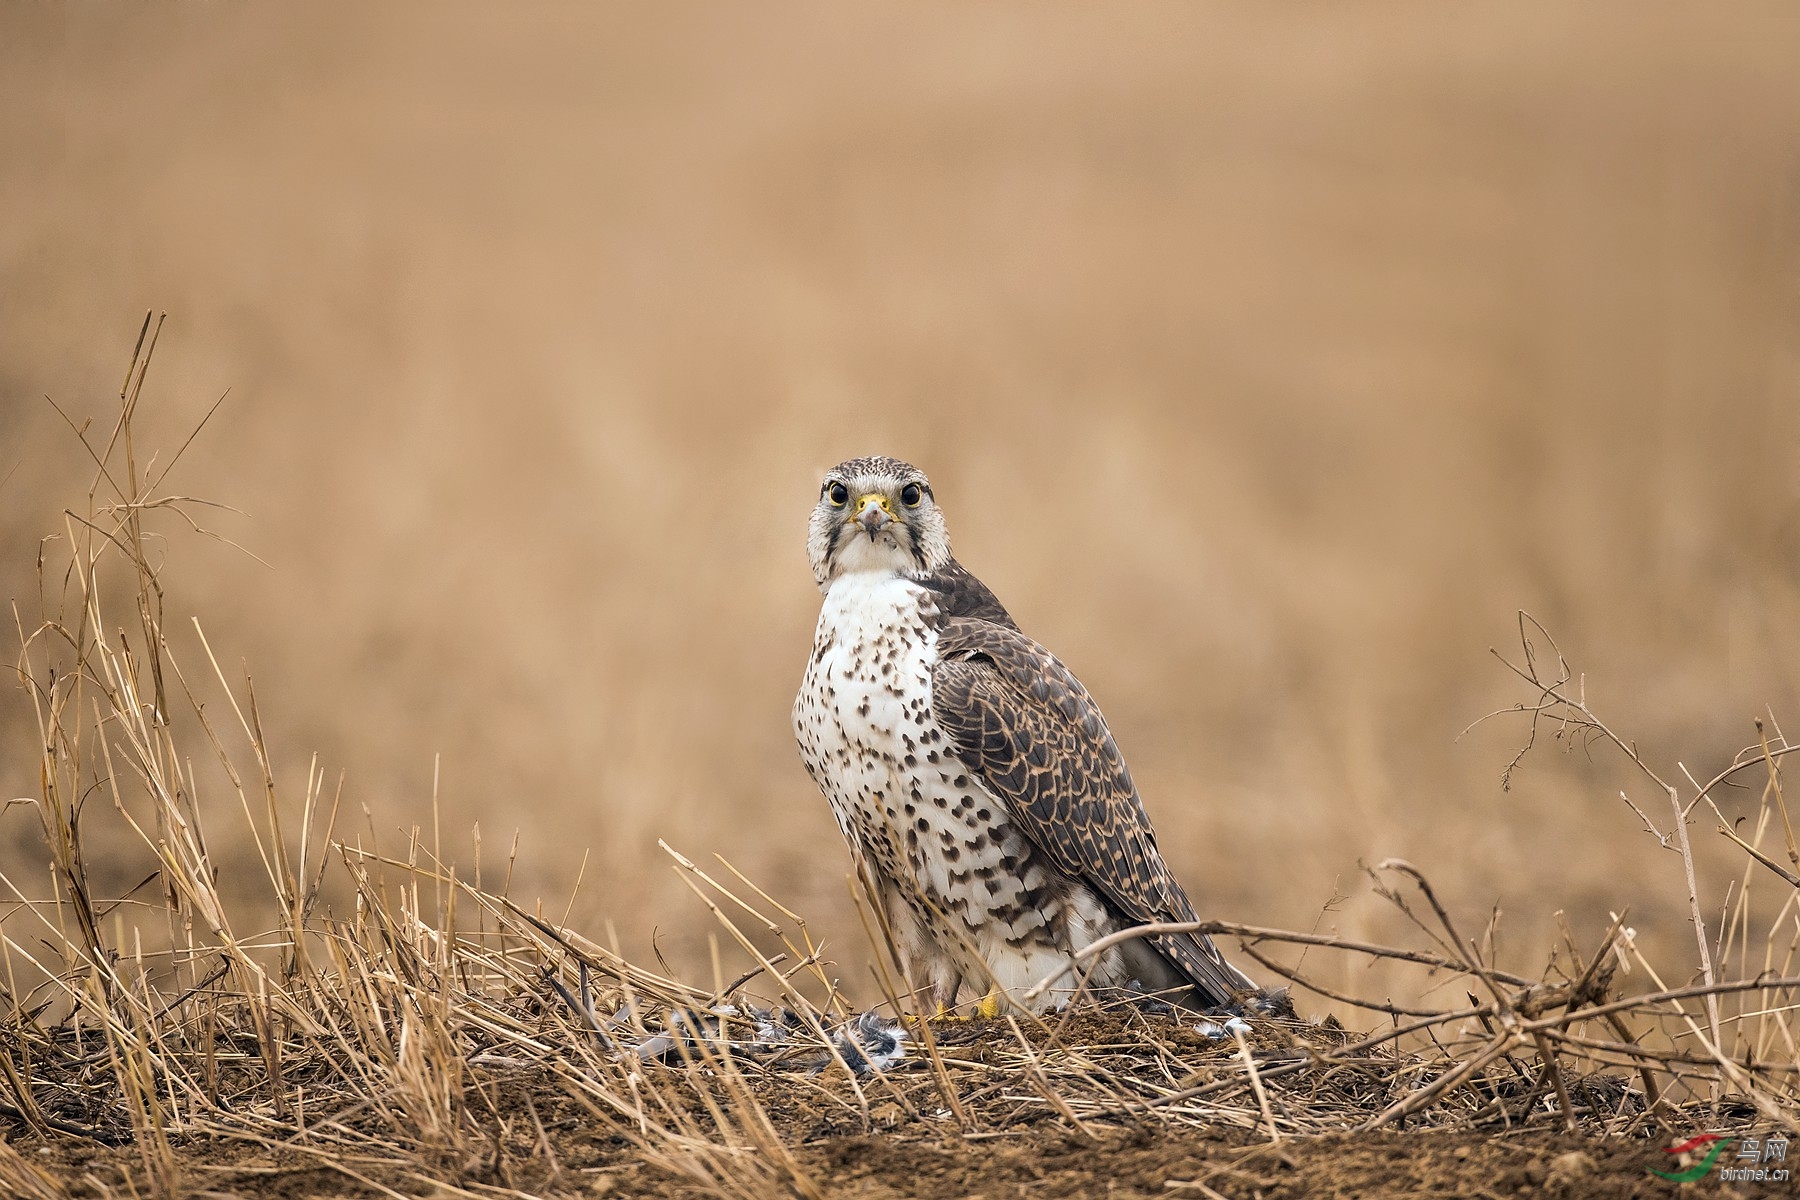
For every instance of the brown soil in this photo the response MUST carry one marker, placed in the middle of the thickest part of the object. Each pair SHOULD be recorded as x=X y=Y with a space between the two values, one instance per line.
x=528 y=1133
x=1048 y=1160
x=1154 y=1162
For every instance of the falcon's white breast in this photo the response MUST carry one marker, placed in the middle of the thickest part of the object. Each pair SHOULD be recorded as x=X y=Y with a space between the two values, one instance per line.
x=964 y=880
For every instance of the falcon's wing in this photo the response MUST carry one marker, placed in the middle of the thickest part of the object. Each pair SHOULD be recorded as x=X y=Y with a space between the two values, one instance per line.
x=957 y=593
x=1021 y=721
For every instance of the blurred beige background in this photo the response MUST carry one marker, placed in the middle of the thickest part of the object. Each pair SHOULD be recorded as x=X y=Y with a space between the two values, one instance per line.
x=1265 y=360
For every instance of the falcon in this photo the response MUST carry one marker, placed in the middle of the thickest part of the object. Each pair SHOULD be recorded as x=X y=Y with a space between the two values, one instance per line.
x=972 y=775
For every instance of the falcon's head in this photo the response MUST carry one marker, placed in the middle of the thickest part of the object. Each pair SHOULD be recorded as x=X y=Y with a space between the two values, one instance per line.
x=876 y=515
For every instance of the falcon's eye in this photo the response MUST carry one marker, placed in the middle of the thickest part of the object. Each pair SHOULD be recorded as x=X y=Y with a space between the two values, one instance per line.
x=838 y=494
x=911 y=494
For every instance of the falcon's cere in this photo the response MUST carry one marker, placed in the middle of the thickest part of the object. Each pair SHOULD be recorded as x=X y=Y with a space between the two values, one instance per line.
x=972 y=775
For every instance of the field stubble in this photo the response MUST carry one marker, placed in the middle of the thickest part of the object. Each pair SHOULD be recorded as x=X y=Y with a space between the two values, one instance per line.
x=403 y=1026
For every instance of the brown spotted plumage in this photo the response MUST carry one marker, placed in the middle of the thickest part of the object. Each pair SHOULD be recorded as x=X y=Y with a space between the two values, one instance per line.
x=971 y=773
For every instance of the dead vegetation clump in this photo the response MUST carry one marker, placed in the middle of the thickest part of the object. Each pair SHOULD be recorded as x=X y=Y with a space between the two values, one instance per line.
x=406 y=1027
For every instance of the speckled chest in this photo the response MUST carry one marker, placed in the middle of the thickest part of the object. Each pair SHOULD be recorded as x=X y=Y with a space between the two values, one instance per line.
x=864 y=722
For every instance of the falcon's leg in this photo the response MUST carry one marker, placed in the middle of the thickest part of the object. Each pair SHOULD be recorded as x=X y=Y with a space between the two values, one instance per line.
x=946 y=981
x=928 y=968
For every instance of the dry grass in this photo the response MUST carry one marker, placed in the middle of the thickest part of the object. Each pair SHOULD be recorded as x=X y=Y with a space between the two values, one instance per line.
x=406 y=1026
x=1321 y=344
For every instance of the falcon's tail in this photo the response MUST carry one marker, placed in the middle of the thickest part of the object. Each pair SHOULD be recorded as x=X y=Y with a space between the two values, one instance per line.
x=1218 y=983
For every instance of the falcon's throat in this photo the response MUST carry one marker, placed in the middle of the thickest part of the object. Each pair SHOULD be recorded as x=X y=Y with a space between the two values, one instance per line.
x=872 y=540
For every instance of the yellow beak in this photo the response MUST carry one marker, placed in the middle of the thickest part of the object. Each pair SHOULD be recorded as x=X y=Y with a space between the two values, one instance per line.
x=873 y=511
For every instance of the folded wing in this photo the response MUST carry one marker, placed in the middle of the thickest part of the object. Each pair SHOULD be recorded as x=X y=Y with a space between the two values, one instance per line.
x=1023 y=723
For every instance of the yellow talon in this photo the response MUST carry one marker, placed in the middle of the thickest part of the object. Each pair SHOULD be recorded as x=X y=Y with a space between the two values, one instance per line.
x=988 y=1006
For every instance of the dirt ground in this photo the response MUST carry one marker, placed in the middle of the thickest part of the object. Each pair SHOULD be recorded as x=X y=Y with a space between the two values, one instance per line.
x=1148 y=1163
x=526 y=1132
x=1045 y=1160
